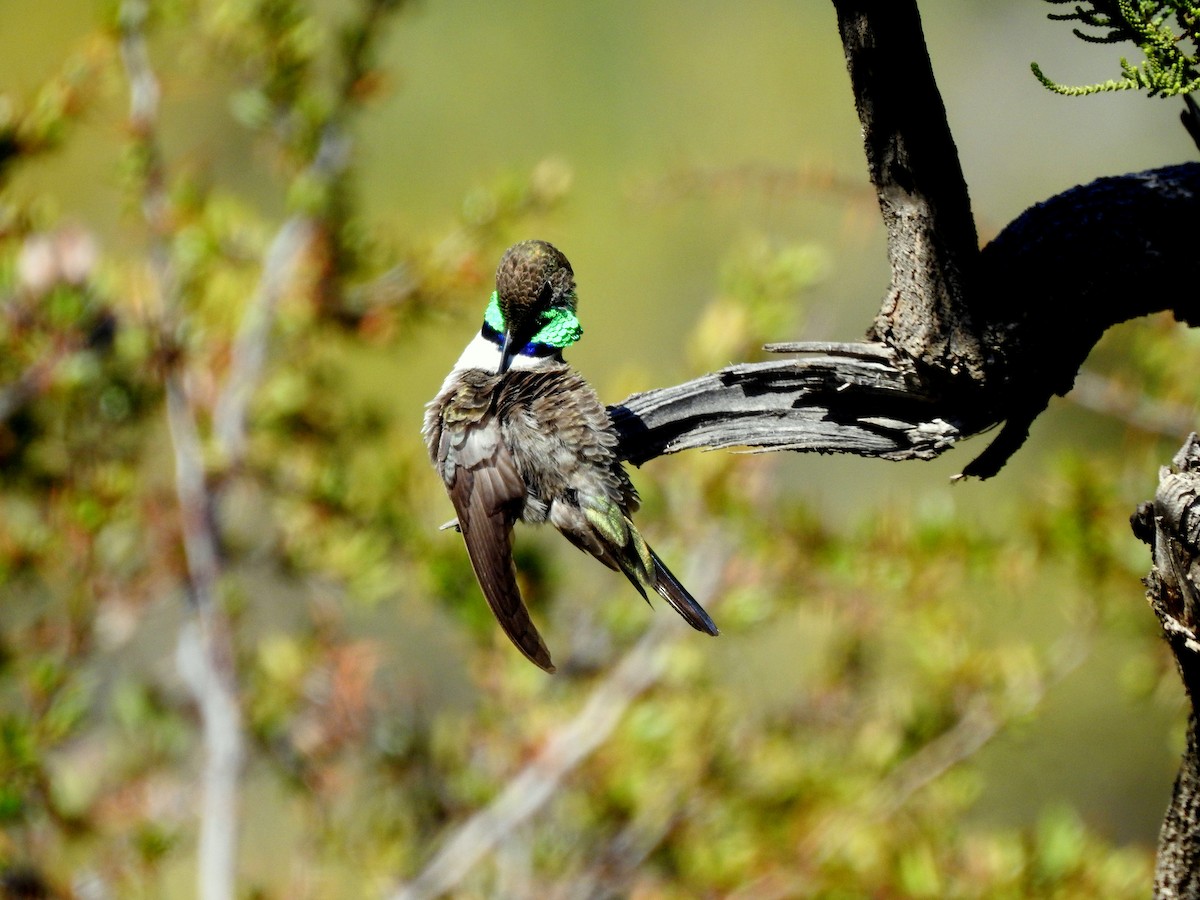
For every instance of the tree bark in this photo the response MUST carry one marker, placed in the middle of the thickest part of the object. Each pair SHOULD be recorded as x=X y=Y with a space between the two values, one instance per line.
x=919 y=183
x=1171 y=526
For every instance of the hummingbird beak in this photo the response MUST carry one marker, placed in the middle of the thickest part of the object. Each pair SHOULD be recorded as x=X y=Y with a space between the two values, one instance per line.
x=507 y=352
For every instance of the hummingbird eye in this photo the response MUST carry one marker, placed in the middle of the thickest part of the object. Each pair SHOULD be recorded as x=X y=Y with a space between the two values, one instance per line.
x=546 y=294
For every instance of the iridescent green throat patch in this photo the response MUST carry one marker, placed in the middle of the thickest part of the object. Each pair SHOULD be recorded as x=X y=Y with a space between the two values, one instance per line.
x=560 y=327
x=492 y=315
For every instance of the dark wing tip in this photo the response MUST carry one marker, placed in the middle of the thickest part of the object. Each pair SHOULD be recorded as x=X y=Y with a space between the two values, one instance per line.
x=499 y=585
x=681 y=601
x=541 y=658
x=494 y=571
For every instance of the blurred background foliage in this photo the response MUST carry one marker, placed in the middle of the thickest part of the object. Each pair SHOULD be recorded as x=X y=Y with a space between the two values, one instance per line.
x=919 y=691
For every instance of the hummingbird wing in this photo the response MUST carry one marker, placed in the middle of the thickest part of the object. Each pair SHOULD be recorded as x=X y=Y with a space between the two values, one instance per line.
x=488 y=493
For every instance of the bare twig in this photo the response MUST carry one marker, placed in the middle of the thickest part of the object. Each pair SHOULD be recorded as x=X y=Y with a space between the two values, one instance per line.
x=563 y=750
x=283 y=258
x=610 y=870
x=534 y=785
x=978 y=726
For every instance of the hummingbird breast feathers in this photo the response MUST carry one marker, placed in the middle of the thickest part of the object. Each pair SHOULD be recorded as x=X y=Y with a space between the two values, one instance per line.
x=561 y=438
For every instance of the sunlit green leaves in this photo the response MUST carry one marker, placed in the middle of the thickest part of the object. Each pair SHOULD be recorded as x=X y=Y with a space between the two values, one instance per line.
x=1166 y=31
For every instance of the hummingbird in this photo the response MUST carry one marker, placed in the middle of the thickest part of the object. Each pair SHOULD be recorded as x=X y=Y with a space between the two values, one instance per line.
x=518 y=435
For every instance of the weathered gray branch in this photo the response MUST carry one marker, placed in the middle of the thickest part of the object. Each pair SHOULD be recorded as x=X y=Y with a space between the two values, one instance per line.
x=847 y=398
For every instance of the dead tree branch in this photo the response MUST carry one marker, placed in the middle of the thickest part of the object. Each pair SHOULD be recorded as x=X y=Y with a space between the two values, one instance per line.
x=850 y=398
x=1051 y=284
x=965 y=339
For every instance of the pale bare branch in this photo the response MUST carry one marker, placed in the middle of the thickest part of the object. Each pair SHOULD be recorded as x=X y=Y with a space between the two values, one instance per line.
x=205 y=653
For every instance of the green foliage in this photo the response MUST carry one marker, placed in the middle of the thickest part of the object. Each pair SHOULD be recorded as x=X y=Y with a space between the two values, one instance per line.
x=1166 y=31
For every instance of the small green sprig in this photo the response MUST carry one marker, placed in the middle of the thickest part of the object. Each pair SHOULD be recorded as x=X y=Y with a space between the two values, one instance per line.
x=1166 y=31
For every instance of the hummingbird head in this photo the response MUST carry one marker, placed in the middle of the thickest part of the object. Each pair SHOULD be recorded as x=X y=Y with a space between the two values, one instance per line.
x=533 y=308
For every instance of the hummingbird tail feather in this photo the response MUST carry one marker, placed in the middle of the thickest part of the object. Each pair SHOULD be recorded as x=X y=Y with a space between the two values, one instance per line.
x=681 y=601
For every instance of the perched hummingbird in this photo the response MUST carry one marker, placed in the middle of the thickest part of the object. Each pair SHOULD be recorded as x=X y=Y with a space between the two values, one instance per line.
x=516 y=433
